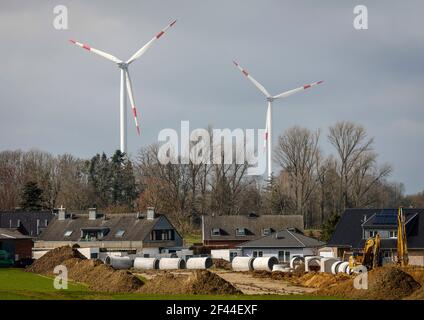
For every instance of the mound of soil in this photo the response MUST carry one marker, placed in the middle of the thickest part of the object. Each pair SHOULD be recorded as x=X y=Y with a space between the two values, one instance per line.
x=391 y=283
x=275 y=275
x=98 y=276
x=199 y=282
x=101 y=277
x=385 y=283
x=221 y=264
x=53 y=258
x=321 y=280
x=299 y=270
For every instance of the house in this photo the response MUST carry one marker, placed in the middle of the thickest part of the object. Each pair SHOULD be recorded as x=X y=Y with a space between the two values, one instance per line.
x=126 y=233
x=30 y=223
x=17 y=245
x=357 y=225
x=283 y=244
x=221 y=232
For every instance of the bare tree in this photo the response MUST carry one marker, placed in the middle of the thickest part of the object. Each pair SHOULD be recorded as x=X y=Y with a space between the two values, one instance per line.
x=296 y=153
x=351 y=143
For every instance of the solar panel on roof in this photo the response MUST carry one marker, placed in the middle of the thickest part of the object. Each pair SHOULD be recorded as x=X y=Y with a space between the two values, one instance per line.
x=386 y=217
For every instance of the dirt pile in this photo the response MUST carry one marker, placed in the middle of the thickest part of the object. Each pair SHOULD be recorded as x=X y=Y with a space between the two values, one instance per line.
x=320 y=279
x=199 y=282
x=275 y=275
x=221 y=264
x=385 y=283
x=98 y=276
x=101 y=277
x=53 y=258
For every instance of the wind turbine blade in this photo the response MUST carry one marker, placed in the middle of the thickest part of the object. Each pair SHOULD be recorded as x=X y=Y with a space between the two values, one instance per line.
x=290 y=92
x=141 y=51
x=131 y=97
x=256 y=83
x=96 y=51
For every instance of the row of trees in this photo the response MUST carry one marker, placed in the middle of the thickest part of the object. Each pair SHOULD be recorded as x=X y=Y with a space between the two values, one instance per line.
x=308 y=182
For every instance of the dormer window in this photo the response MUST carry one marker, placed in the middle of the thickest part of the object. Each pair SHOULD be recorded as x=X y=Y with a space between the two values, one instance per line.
x=266 y=231
x=93 y=234
x=216 y=231
x=240 y=232
x=119 y=233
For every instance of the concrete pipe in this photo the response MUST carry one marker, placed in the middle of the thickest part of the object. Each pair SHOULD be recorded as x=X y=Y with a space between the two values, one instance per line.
x=171 y=263
x=296 y=261
x=312 y=263
x=119 y=262
x=264 y=263
x=335 y=267
x=281 y=268
x=199 y=263
x=242 y=263
x=146 y=263
x=342 y=267
x=326 y=264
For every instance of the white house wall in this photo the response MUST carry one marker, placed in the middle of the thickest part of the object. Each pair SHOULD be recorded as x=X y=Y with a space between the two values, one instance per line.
x=273 y=252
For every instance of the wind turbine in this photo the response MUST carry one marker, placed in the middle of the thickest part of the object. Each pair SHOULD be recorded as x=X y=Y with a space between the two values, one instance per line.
x=125 y=86
x=270 y=99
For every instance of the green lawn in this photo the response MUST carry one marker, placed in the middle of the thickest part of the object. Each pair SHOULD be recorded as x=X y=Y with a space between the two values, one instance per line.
x=16 y=284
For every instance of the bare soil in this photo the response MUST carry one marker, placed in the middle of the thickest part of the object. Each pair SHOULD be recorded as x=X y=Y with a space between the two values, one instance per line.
x=197 y=282
x=94 y=273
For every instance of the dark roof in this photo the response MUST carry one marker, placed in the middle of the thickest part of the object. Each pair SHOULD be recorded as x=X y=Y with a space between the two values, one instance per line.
x=283 y=239
x=11 y=234
x=135 y=229
x=254 y=224
x=28 y=221
x=348 y=231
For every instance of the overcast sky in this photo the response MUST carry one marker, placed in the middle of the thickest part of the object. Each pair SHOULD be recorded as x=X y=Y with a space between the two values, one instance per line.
x=61 y=99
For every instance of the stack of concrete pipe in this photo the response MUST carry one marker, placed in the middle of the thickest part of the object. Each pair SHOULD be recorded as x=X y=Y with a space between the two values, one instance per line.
x=119 y=262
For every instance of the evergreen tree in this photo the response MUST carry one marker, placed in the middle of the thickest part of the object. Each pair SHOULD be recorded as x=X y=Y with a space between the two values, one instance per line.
x=329 y=227
x=31 y=198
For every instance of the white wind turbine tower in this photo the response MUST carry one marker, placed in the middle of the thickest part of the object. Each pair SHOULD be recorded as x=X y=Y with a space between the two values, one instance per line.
x=270 y=99
x=125 y=86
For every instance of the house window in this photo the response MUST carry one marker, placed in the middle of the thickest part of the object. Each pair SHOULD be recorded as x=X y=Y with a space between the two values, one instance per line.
x=19 y=223
x=240 y=232
x=373 y=233
x=162 y=235
x=266 y=231
x=46 y=222
x=216 y=231
x=68 y=233
x=284 y=256
x=393 y=234
x=257 y=254
x=93 y=234
x=233 y=255
x=119 y=233
x=94 y=255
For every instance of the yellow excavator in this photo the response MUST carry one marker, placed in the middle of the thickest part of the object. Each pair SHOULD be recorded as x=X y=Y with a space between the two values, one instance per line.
x=370 y=257
x=402 y=248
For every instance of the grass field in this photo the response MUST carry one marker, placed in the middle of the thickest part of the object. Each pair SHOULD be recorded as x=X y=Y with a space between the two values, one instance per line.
x=15 y=284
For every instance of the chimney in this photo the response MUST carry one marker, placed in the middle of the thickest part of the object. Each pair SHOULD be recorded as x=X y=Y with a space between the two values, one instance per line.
x=62 y=213
x=92 y=214
x=150 y=213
